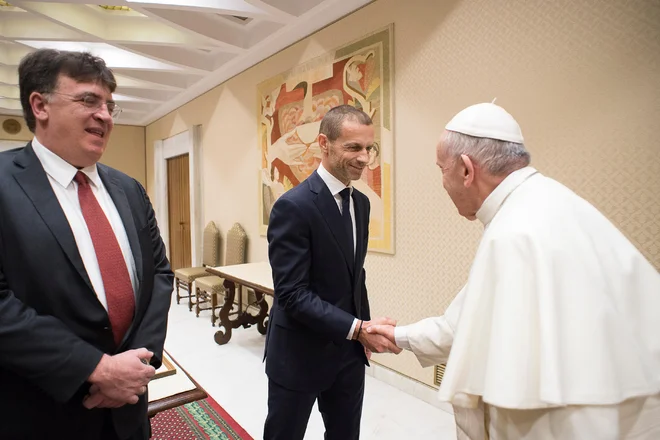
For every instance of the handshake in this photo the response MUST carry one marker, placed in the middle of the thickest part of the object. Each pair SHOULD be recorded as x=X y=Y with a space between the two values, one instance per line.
x=377 y=336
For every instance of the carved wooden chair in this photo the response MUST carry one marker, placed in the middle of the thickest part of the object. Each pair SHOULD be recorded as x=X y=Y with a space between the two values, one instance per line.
x=209 y=288
x=184 y=278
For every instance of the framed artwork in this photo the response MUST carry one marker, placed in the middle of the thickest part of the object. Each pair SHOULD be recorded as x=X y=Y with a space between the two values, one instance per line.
x=291 y=106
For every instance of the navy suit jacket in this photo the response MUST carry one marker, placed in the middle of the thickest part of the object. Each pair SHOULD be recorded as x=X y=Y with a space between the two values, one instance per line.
x=319 y=287
x=53 y=329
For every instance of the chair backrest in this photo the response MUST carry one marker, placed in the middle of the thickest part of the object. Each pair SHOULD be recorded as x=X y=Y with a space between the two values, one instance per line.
x=236 y=245
x=211 y=245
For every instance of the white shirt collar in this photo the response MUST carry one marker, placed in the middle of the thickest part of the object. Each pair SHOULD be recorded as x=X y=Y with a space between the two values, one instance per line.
x=334 y=185
x=59 y=169
x=495 y=200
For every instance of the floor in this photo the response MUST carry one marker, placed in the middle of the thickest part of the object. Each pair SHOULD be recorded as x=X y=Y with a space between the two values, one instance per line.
x=233 y=374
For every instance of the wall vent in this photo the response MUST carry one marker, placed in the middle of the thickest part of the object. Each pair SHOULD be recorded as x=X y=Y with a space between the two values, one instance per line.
x=439 y=372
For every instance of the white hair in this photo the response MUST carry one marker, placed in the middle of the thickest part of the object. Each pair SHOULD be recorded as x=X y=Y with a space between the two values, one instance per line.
x=497 y=157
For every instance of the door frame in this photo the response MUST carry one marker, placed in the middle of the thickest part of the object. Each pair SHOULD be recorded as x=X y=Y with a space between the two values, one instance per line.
x=187 y=142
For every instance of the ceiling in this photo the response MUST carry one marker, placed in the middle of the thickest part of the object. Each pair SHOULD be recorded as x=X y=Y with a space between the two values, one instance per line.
x=163 y=52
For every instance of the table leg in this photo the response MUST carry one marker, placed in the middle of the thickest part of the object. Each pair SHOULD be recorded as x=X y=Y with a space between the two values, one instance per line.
x=214 y=305
x=262 y=317
x=222 y=337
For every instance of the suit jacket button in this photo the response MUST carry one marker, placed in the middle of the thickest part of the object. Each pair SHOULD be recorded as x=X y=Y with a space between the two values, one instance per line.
x=106 y=328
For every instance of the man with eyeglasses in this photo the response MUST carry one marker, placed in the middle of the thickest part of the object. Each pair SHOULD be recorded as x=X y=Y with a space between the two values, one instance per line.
x=85 y=285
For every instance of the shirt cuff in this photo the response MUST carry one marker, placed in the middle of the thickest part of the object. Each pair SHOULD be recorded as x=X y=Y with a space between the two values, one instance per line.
x=401 y=337
x=350 y=333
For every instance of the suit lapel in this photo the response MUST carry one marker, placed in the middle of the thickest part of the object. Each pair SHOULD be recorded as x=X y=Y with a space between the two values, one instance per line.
x=34 y=182
x=359 y=232
x=327 y=205
x=360 y=251
x=121 y=203
x=362 y=233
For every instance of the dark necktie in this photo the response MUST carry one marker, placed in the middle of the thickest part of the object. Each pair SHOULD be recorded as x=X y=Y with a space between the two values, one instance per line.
x=116 y=281
x=346 y=216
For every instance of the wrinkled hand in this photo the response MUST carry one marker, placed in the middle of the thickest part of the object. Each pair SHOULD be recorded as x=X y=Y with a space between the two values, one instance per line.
x=96 y=399
x=120 y=379
x=375 y=342
x=384 y=330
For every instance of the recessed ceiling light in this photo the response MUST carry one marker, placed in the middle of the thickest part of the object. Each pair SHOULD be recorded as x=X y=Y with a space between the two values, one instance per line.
x=115 y=8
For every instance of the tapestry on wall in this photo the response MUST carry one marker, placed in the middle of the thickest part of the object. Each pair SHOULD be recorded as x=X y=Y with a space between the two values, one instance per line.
x=291 y=106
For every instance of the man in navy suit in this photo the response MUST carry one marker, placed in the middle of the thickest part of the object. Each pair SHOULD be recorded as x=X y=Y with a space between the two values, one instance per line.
x=317 y=346
x=85 y=285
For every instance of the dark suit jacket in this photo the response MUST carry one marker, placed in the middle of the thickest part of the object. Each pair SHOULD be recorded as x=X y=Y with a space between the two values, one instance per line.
x=53 y=329
x=318 y=292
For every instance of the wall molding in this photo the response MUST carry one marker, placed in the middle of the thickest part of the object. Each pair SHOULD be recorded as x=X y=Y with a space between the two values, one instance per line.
x=408 y=385
x=6 y=145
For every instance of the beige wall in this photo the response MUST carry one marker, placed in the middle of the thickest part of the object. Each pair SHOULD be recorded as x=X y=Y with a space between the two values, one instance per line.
x=125 y=152
x=580 y=76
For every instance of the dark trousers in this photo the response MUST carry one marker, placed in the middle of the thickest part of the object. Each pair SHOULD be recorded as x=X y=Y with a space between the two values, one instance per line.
x=108 y=431
x=97 y=427
x=340 y=405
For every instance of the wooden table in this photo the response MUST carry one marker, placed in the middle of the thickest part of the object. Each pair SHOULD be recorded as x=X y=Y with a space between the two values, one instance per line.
x=257 y=276
x=174 y=389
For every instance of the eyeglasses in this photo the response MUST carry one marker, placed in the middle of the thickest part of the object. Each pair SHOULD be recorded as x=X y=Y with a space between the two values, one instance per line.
x=94 y=103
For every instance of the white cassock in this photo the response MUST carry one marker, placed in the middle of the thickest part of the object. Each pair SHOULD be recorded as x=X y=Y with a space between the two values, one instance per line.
x=556 y=334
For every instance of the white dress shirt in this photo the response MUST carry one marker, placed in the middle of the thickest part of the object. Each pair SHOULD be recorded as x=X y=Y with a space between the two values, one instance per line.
x=335 y=186
x=60 y=175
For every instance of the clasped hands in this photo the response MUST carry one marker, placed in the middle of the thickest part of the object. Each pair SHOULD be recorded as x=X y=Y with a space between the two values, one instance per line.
x=120 y=379
x=377 y=336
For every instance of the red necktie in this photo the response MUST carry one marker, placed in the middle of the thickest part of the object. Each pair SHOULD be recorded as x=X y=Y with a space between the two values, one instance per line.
x=116 y=281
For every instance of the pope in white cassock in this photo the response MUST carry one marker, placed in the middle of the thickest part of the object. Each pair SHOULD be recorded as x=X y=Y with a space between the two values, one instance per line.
x=556 y=334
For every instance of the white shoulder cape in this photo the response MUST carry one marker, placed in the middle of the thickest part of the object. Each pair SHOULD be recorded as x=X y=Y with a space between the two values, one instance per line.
x=560 y=308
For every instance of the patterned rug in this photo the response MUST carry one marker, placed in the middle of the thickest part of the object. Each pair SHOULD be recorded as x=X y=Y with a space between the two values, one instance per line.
x=204 y=419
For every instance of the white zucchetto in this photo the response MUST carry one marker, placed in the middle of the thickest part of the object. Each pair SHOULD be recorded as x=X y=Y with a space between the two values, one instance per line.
x=486 y=120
